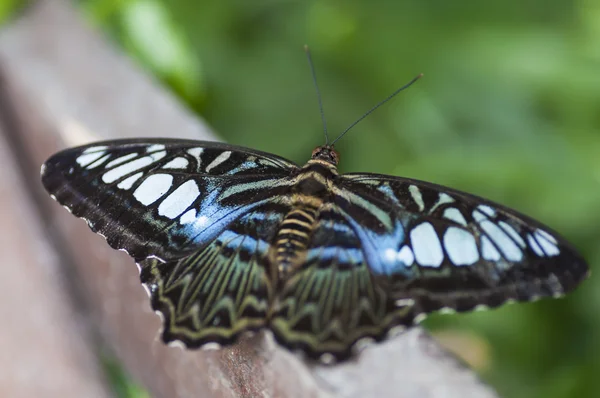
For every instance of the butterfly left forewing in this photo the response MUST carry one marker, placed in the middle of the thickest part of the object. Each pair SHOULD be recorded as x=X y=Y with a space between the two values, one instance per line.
x=160 y=197
x=444 y=248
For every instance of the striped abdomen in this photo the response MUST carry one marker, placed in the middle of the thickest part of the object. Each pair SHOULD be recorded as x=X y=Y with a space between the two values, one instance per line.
x=293 y=238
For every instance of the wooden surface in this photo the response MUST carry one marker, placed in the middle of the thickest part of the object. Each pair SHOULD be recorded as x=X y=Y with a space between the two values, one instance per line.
x=66 y=293
x=44 y=348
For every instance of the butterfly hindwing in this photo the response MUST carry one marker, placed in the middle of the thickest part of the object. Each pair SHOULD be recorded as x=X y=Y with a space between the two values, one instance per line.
x=448 y=249
x=162 y=197
x=333 y=301
x=222 y=289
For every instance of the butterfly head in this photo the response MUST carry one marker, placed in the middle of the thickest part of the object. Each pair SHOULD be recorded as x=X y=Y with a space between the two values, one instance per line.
x=327 y=154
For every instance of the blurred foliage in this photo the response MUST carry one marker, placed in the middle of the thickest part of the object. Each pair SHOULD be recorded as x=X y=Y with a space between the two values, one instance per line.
x=509 y=109
x=122 y=386
x=7 y=7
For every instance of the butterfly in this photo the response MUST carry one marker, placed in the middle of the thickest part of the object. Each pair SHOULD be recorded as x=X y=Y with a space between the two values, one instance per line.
x=230 y=240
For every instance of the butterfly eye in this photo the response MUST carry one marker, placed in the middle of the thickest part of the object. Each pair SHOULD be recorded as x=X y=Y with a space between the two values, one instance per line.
x=326 y=153
x=316 y=152
x=335 y=155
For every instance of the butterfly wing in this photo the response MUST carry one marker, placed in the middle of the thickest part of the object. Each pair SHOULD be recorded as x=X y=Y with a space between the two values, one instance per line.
x=333 y=301
x=197 y=216
x=443 y=248
x=159 y=197
x=222 y=289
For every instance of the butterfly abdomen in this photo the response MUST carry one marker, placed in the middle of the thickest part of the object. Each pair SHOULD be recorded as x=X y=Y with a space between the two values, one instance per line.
x=293 y=237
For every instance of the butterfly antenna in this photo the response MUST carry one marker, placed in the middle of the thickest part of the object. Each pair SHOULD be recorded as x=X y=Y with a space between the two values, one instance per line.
x=407 y=85
x=314 y=77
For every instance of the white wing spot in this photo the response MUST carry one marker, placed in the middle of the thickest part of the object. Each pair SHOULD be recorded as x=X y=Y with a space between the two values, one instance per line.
x=120 y=160
x=390 y=255
x=417 y=197
x=86 y=158
x=196 y=152
x=179 y=200
x=509 y=248
x=546 y=236
x=455 y=215
x=218 y=160
x=97 y=148
x=549 y=247
x=98 y=162
x=188 y=217
x=487 y=210
x=442 y=198
x=512 y=232
x=129 y=167
x=460 y=246
x=177 y=163
x=479 y=216
x=535 y=246
x=426 y=245
x=129 y=181
x=406 y=256
x=488 y=250
x=157 y=155
x=152 y=188
x=155 y=147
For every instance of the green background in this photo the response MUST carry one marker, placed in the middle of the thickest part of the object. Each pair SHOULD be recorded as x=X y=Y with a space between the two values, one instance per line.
x=509 y=109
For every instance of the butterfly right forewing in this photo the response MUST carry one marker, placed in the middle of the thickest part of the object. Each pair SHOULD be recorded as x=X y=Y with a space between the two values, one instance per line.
x=443 y=248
